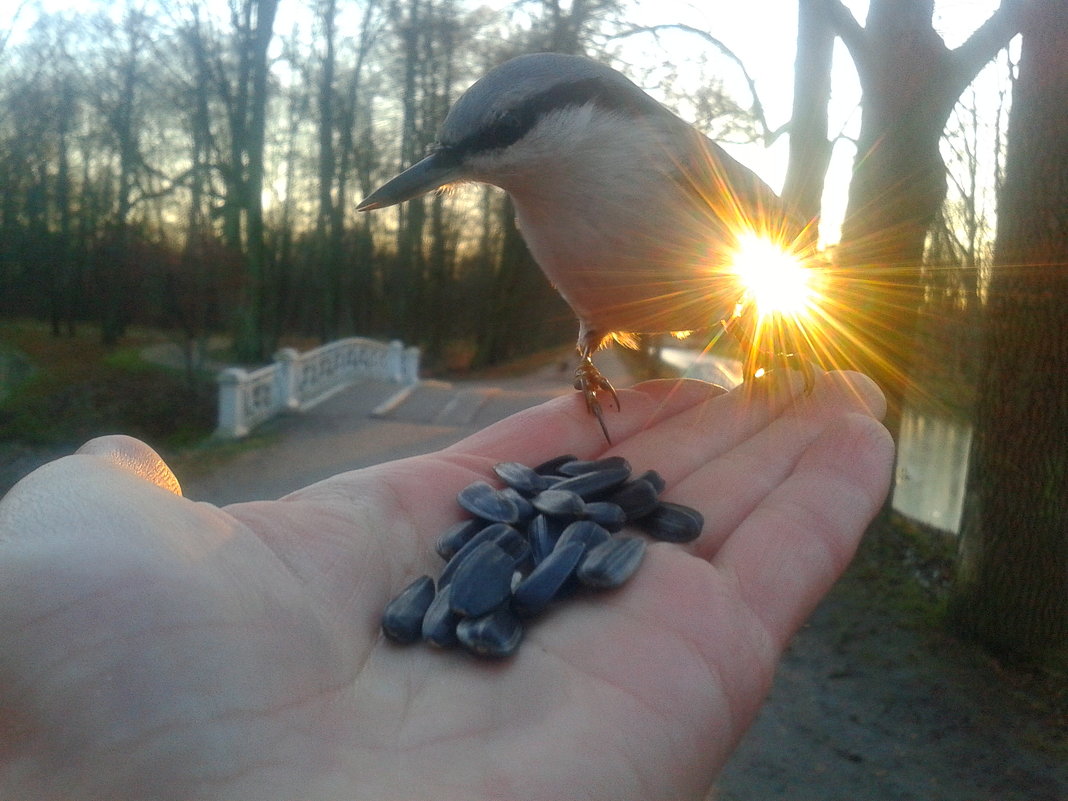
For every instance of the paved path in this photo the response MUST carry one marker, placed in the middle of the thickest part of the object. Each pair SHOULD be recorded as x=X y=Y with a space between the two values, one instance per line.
x=342 y=433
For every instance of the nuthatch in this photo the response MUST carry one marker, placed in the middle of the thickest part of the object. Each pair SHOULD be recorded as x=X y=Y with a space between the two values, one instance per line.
x=632 y=214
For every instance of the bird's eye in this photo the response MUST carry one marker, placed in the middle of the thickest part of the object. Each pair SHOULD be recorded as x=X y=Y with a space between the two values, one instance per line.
x=507 y=120
x=507 y=128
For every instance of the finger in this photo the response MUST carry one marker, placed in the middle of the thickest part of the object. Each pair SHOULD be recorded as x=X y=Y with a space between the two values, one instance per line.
x=697 y=435
x=563 y=425
x=135 y=457
x=728 y=485
x=693 y=410
x=784 y=557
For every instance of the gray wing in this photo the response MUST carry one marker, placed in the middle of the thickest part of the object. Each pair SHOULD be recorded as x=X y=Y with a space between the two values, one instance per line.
x=732 y=197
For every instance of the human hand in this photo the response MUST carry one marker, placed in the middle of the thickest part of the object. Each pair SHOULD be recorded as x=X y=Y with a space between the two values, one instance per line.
x=152 y=647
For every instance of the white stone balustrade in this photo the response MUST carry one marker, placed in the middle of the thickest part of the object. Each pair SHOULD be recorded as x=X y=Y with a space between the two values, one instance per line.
x=296 y=382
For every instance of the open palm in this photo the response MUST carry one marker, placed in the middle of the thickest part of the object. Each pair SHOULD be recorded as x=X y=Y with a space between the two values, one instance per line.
x=153 y=647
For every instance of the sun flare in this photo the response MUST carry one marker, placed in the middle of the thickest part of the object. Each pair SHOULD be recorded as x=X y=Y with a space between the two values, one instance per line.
x=774 y=280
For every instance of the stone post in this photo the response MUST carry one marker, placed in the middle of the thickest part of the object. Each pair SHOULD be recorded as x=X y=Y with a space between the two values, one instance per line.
x=231 y=403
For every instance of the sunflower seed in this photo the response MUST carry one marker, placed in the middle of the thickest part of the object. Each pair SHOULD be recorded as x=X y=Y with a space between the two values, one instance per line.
x=526 y=510
x=496 y=634
x=521 y=478
x=482 y=500
x=577 y=467
x=559 y=503
x=482 y=582
x=496 y=533
x=593 y=483
x=605 y=514
x=456 y=537
x=402 y=620
x=551 y=466
x=439 y=624
x=537 y=590
x=612 y=562
x=637 y=497
x=543 y=532
x=583 y=531
x=673 y=522
x=653 y=478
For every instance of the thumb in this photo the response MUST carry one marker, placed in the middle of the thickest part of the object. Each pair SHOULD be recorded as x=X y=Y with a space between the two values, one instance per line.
x=135 y=457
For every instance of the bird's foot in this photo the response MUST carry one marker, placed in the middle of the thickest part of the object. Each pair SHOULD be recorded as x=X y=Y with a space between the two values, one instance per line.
x=590 y=382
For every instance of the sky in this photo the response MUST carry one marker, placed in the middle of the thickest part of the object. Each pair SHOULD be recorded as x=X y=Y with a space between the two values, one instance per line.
x=761 y=32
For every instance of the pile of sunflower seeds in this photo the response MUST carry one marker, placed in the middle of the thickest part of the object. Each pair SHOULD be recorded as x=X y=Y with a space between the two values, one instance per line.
x=553 y=530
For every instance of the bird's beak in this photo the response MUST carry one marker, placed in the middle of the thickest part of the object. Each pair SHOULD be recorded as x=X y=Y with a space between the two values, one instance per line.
x=431 y=173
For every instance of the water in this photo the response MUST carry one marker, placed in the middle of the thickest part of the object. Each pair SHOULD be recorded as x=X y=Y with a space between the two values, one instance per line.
x=932 y=466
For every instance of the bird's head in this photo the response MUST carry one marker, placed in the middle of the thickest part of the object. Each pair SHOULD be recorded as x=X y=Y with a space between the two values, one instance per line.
x=523 y=111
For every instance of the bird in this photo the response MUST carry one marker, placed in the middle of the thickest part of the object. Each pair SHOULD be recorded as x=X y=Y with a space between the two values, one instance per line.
x=632 y=214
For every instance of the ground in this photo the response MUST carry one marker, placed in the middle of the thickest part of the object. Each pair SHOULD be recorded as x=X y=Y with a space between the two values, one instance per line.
x=876 y=699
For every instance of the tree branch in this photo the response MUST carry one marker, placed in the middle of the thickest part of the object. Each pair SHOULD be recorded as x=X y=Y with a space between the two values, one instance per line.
x=756 y=109
x=5 y=35
x=853 y=36
x=988 y=39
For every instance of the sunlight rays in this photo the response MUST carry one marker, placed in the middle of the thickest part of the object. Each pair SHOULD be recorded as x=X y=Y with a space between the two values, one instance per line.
x=773 y=279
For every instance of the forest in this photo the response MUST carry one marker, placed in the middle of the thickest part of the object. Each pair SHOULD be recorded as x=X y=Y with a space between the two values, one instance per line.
x=195 y=166
x=191 y=167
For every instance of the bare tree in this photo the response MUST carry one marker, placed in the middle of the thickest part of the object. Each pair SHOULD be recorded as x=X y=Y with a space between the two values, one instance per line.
x=810 y=149
x=329 y=220
x=910 y=82
x=561 y=28
x=46 y=111
x=121 y=103
x=241 y=82
x=356 y=159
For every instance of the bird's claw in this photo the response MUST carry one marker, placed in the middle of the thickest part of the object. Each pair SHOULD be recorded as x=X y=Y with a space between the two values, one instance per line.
x=590 y=382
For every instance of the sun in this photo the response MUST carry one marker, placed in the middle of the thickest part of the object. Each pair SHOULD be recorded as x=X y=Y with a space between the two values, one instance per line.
x=774 y=280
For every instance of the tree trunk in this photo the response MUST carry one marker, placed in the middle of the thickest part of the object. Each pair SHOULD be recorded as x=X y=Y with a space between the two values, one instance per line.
x=266 y=333
x=246 y=107
x=403 y=284
x=503 y=320
x=910 y=82
x=114 y=309
x=439 y=263
x=361 y=292
x=65 y=293
x=328 y=222
x=1011 y=587
x=810 y=150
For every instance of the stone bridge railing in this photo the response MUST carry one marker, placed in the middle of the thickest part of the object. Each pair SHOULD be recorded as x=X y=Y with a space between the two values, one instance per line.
x=299 y=381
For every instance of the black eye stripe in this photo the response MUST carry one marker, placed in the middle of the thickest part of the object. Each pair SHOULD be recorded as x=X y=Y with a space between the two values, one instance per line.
x=513 y=124
x=447 y=156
